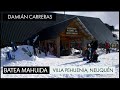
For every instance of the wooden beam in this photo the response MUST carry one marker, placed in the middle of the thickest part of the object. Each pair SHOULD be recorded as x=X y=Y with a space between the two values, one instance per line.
x=58 y=46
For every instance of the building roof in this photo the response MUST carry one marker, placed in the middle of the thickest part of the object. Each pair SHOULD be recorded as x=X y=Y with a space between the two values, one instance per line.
x=98 y=29
x=19 y=31
x=94 y=26
x=53 y=31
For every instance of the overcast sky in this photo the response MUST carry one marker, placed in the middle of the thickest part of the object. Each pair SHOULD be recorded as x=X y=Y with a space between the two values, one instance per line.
x=111 y=18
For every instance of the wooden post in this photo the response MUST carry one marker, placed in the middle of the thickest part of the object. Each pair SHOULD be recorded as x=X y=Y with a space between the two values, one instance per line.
x=69 y=43
x=45 y=43
x=58 y=46
x=82 y=40
x=39 y=43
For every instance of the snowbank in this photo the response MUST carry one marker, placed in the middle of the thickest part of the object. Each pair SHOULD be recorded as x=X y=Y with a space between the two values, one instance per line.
x=22 y=59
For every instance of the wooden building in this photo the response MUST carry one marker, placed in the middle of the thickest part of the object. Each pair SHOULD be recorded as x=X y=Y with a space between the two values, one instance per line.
x=66 y=32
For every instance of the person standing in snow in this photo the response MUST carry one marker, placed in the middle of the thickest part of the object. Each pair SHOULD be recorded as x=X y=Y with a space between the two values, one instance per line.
x=35 y=45
x=51 y=49
x=55 y=49
x=86 y=54
x=34 y=51
x=45 y=50
x=107 y=47
x=117 y=47
x=37 y=49
x=95 y=56
x=14 y=47
x=8 y=55
x=94 y=46
x=89 y=47
x=72 y=51
x=28 y=42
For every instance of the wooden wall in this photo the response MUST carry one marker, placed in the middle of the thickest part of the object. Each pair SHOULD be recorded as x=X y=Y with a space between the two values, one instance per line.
x=80 y=37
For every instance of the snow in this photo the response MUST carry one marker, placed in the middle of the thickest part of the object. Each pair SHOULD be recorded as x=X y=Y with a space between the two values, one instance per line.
x=21 y=59
x=74 y=51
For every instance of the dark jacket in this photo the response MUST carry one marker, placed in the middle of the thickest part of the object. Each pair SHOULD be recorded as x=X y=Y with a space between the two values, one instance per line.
x=95 y=56
x=94 y=44
x=86 y=53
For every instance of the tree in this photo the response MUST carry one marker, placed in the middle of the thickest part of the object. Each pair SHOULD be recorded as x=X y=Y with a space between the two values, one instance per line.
x=114 y=35
x=111 y=28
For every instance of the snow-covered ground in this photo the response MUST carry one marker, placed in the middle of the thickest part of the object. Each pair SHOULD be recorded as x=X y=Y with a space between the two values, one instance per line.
x=22 y=59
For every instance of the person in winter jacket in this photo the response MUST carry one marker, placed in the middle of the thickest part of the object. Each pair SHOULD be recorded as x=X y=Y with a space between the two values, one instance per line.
x=107 y=47
x=14 y=47
x=86 y=54
x=94 y=46
x=34 y=49
x=8 y=55
x=45 y=50
x=95 y=56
